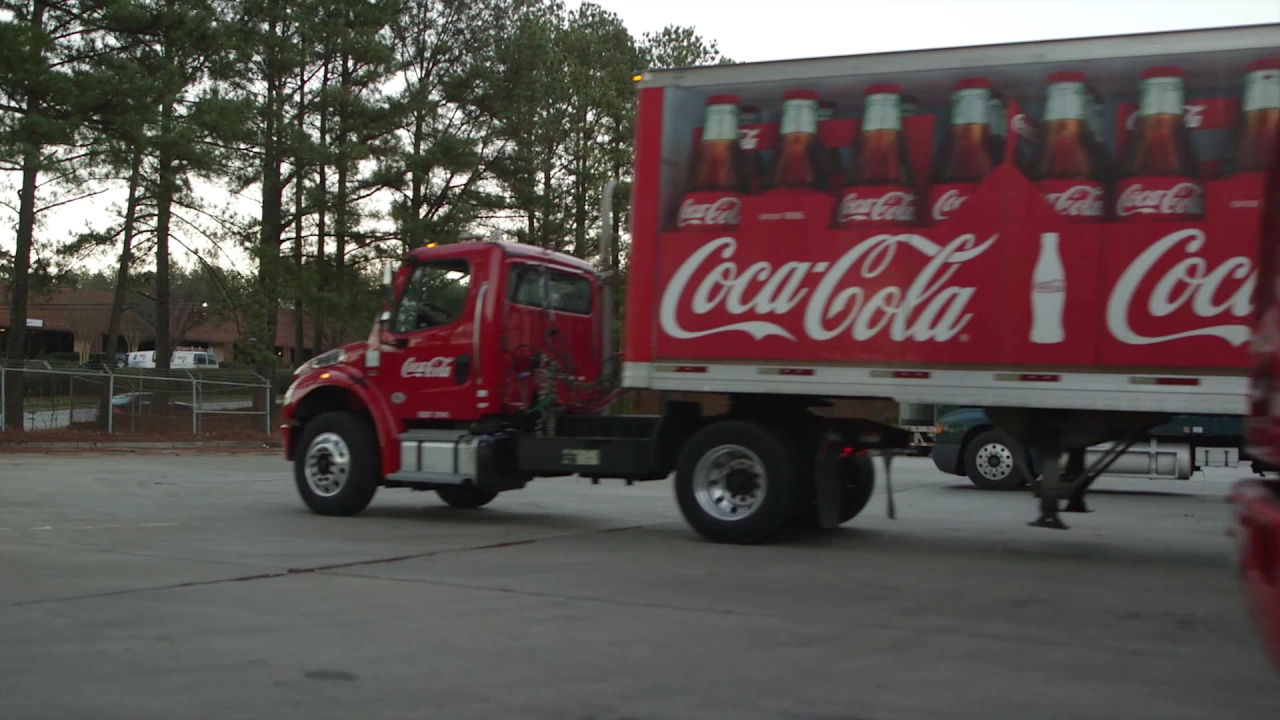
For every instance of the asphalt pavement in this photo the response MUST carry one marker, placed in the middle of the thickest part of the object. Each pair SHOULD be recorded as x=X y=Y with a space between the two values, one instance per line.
x=196 y=586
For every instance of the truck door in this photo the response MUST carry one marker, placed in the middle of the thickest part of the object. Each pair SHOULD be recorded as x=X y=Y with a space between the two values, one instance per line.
x=429 y=373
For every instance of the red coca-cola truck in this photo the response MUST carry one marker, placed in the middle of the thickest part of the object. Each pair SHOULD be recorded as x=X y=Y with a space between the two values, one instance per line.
x=1064 y=234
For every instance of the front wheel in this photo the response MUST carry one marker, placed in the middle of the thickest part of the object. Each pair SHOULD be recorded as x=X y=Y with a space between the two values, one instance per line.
x=337 y=470
x=989 y=461
x=738 y=482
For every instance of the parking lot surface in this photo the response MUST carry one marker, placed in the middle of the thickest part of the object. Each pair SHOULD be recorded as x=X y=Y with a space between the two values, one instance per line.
x=190 y=586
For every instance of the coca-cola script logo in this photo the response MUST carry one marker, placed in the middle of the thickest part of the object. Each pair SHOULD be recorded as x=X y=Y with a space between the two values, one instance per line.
x=927 y=309
x=947 y=203
x=889 y=207
x=1192 y=117
x=437 y=367
x=721 y=213
x=1185 y=198
x=1190 y=282
x=1077 y=201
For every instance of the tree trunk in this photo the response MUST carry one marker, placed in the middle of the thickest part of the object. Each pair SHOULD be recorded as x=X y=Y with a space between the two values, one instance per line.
x=269 y=239
x=298 y=187
x=322 y=271
x=122 y=282
x=164 y=216
x=20 y=282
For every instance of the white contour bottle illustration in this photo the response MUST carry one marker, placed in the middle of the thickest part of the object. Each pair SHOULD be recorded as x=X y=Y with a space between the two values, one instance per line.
x=1048 y=293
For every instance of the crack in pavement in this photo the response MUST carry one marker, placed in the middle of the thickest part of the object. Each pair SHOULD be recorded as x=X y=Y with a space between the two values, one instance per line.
x=316 y=569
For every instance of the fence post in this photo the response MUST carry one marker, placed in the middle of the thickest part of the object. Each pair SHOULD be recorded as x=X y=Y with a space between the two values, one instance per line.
x=3 y=400
x=71 y=405
x=195 y=409
x=270 y=407
x=111 y=402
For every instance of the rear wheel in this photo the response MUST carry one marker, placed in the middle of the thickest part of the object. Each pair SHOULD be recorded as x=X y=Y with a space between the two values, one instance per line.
x=337 y=470
x=989 y=461
x=738 y=482
x=466 y=496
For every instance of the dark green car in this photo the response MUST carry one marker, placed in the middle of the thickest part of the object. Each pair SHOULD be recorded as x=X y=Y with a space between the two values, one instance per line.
x=965 y=443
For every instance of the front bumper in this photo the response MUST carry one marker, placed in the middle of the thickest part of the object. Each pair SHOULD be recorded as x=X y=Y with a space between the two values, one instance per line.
x=946 y=457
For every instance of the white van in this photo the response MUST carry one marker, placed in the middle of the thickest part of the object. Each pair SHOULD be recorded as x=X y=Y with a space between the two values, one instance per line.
x=180 y=360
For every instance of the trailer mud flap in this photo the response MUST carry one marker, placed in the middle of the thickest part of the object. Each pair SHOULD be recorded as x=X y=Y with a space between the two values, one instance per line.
x=828 y=483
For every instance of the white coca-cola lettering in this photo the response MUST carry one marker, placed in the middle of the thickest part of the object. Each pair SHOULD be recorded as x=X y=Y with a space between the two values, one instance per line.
x=1192 y=117
x=892 y=206
x=437 y=367
x=724 y=211
x=1190 y=281
x=946 y=204
x=1181 y=199
x=926 y=310
x=1077 y=201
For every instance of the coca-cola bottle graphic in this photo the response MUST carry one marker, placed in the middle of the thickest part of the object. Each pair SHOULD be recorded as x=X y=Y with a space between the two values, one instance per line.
x=835 y=171
x=750 y=127
x=965 y=158
x=802 y=162
x=910 y=105
x=1048 y=293
x=1158 y=171
x=879 y=189
x=1063 y=167
x=1254 y=141
x=719 y=173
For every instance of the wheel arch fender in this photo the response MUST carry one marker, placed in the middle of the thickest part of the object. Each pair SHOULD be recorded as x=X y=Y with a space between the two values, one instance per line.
x=347 y=391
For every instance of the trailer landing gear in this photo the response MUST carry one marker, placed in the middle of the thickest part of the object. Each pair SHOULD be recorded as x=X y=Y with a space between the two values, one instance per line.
x=1071 y=482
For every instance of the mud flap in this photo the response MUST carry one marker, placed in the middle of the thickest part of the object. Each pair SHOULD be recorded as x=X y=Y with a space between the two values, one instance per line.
x=827 y=480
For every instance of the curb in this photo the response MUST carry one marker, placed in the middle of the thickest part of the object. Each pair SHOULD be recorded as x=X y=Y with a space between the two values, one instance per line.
x=139 y=445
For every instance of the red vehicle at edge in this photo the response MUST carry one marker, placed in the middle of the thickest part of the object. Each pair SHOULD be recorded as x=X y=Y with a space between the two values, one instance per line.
x=1257 y=502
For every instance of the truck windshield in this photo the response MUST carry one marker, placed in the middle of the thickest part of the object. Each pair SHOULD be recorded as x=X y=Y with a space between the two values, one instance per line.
x=435 y=295
x=568 y=292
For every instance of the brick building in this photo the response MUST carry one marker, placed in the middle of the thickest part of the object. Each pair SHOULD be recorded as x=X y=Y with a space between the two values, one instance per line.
x=75 y=321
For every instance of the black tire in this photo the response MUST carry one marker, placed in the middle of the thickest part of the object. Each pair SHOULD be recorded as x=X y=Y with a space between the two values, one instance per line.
x=859 y=484
x=466 y=497
x=781 y=494
x=989 y=461
x=364 y=465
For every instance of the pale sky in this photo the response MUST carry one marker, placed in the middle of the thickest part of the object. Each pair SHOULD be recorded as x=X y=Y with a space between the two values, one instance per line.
x=757 y=30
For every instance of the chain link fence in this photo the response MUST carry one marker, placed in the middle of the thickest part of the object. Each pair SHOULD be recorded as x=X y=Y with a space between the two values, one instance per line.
x=144 y=402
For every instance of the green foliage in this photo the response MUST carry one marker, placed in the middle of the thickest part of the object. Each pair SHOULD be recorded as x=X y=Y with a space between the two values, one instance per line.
x=347 y=132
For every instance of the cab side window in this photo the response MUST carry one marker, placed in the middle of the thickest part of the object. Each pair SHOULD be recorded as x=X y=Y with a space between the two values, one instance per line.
x=434 y=296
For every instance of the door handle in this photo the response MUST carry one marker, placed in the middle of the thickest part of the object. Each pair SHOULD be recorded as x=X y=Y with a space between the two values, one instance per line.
x=402 y=343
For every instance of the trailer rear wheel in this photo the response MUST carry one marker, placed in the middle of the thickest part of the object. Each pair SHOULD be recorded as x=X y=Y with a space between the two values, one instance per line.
x=738 y=482
x=466 y=497
x=337 y=468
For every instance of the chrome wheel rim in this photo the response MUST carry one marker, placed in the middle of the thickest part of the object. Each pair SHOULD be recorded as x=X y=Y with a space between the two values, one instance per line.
x=730 y=483
x=328 y=464
x=994 y=461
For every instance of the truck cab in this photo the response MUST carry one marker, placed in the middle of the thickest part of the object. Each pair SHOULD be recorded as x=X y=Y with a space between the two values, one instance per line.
x=465 y=331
